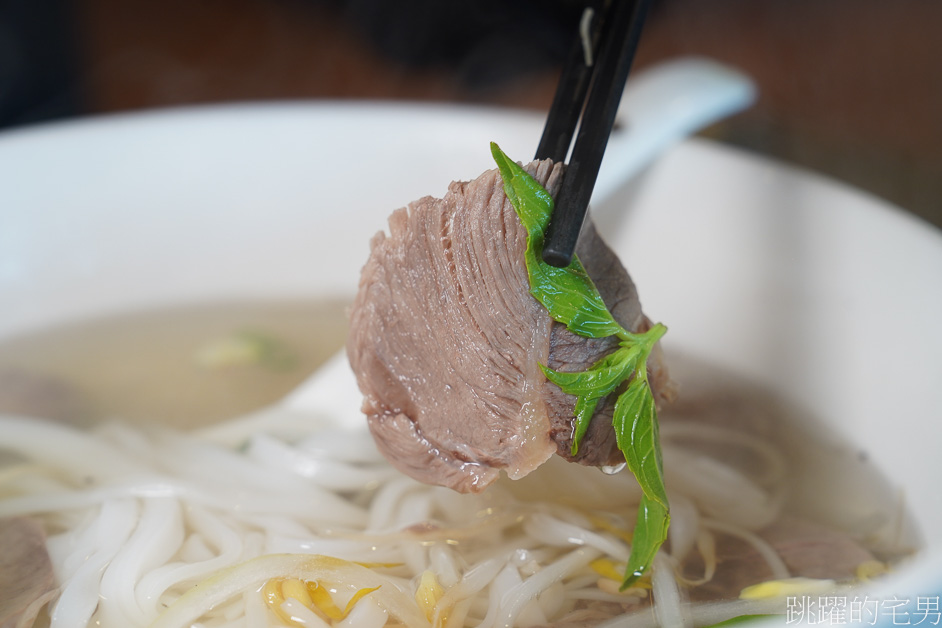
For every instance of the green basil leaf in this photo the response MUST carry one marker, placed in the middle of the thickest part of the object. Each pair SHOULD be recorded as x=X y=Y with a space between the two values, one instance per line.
x=636 y=431
x=601 y=378
x=591 y=385
x=571 y=298
x=650 y=533
x=533 y=204
x=585 y=408
x=568 y=294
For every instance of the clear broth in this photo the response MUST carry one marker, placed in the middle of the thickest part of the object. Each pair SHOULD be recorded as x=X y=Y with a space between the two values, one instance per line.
x=145 y=367
x=150 y=366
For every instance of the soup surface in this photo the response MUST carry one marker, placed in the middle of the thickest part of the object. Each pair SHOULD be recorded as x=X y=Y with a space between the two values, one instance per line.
x=181 y=367
x=191 y=367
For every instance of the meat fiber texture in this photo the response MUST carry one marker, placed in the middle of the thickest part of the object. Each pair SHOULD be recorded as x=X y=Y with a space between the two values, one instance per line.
x=27 y=581
x=446 y=341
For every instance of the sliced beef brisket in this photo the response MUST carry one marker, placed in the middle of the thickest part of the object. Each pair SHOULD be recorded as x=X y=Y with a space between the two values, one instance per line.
x=446 y=341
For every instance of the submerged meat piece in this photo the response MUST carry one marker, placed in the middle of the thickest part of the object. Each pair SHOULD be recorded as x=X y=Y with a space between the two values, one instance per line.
x=815 y=551
x=32 y=394
x=446 y=341
x=26 y=578
x=809 y=550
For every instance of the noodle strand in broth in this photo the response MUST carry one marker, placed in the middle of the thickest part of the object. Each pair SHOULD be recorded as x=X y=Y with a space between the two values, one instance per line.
x=150 y=526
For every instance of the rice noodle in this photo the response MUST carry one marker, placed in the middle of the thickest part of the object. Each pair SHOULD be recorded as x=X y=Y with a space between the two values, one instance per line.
x=62 y=448
x=156 y=538
x=473 y=581
x=702 y=614
x=768 y=553
x=103 y=541
x=685 y=525
x=668 y=601
x=773 y=468
x=706 y=546
x=252 y=574
x=228 y=544
x=326 y=473
x=554 y=532
x=518 y=597
x=155 y=527
x=366 y=614
x=719 y=489
x=442 y=561
x=302 y=614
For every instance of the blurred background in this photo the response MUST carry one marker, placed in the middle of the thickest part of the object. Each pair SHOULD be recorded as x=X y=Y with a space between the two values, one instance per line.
x=849 y=88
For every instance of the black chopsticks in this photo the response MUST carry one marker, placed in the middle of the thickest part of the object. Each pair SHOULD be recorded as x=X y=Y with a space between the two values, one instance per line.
x=610 y=35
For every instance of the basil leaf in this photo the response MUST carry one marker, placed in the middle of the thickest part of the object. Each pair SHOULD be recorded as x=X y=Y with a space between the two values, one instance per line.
x=585 y=408
x=568 y=294
x=636 y=431
x=605 y=375
x=571 y=298
x=533 y=204
x=650 y=533
x=591 y=385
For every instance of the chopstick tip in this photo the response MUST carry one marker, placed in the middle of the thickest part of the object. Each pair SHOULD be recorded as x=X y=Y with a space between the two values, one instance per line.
x=556 y=257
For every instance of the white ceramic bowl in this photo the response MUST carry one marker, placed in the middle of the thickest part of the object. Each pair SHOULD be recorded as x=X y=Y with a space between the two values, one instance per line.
x=827 y=296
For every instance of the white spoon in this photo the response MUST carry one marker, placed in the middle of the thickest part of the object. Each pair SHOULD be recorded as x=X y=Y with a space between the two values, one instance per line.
x=661 y=106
